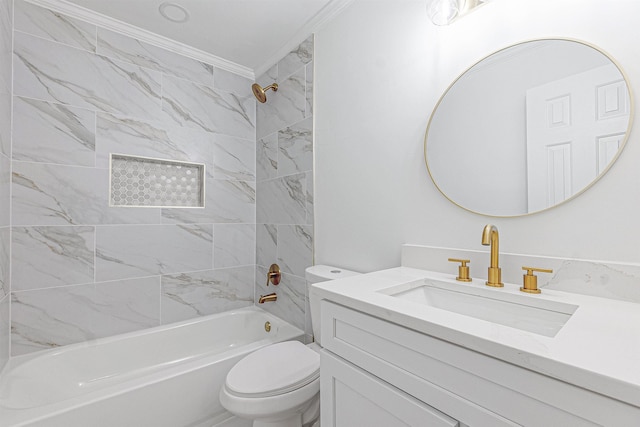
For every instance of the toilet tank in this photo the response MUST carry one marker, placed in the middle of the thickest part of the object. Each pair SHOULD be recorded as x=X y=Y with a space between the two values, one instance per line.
x=316 y=274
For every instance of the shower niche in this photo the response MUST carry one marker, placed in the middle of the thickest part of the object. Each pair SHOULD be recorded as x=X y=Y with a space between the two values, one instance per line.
x=147 y=182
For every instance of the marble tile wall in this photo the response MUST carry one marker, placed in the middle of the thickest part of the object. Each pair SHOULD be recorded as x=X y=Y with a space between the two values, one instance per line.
x=6 y=37
x=284 y=170
x=80 y=269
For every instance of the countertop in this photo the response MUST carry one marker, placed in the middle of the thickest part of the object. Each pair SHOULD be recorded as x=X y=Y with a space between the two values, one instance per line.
x=597 y=349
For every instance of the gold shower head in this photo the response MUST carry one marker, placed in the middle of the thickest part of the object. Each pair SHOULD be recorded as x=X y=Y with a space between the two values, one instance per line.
x=260 y=93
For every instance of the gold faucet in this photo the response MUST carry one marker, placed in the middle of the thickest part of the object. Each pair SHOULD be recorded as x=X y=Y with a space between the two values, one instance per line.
x=490 y=237
x=267 y=298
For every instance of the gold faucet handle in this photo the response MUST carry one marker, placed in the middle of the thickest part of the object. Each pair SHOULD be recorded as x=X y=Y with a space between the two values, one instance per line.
x=273 y=275
x=530 y=280
x=463 y=269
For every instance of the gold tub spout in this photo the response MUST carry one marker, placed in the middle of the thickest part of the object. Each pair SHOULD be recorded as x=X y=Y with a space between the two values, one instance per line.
x=267 y=298
x=490 y=237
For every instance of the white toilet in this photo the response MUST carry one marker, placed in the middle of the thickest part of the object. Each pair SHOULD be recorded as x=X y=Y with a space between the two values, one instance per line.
x=279 y=385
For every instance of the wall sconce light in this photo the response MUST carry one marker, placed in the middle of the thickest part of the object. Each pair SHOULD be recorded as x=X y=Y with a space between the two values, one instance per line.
x=444 y=12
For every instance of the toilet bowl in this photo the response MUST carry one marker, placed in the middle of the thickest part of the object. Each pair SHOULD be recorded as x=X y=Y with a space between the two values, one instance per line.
x=279 y=385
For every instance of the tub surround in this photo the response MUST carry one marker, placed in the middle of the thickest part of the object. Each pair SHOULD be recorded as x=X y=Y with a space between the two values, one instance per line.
x=83 y=270
x=6 y=41
x=591 y=350
x=284 y=164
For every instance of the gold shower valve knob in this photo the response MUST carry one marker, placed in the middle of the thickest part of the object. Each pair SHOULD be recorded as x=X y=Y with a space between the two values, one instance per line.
x=274 y=274
x=530 y=280
x=463 y=269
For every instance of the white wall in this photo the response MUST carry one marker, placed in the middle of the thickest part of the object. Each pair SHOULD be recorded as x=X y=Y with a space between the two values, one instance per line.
x=381 y=67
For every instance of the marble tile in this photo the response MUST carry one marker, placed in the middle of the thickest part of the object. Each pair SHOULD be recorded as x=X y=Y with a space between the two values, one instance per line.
x=49 y=318
x=5 y=122
x=225 y=202
x=234 y=158
x=124 y=48
x=189 y=295
x=295 y=148
x=291 y=291
x=268 y=77
x=5 y=190
x=6 y=45
x=267 y=157
x=46 y=194
x=150 y=138
x=202 y=107
x=234 y=245
x=309 y=90
x=295 y=245
x=296 y=59
x=53 y=133
x=5 y=261
x=5 y=331
x=44 y=257
x=125 y=306
x=233 y=201
x=282 y=200
x=147 y=250
x=83 y=79
x=6 y=55
x=54 y=26
x=310 y=200
x=285 y=107
x=266 y=244
x=229 y=82
x=614 y=281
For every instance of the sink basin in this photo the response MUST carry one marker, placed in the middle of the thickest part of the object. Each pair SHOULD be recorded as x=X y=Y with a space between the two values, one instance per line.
x=540 y=316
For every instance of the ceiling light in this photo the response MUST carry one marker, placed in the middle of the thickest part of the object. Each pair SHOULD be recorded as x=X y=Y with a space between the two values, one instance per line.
x=444 y=12
x=174 y=12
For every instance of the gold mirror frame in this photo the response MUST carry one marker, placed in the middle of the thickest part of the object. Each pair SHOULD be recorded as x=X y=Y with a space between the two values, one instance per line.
x=578 y=193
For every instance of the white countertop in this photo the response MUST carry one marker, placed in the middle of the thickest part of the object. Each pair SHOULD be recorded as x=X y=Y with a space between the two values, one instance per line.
x=597 y=349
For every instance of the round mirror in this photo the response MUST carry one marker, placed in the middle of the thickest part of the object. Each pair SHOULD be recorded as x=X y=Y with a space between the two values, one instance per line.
x=528 y=127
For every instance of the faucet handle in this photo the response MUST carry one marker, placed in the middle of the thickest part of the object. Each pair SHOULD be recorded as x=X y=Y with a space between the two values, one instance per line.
x=530 y=280
x=274 y=275
x=463 y=269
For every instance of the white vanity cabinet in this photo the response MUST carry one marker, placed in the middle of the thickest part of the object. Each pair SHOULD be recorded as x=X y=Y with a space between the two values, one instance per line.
x=377 y=373
x=357 y=398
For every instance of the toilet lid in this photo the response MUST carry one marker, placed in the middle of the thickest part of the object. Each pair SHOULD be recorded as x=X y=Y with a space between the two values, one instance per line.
x=273 y=370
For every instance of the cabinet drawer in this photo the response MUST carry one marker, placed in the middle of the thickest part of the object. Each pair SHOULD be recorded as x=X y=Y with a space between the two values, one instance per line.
x=351 y=397
x=467 y=385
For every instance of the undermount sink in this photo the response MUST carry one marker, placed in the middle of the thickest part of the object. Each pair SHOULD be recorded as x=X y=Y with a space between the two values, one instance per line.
x=523 y=312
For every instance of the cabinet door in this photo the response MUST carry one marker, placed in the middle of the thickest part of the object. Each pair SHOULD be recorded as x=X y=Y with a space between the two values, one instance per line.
x=351 y=397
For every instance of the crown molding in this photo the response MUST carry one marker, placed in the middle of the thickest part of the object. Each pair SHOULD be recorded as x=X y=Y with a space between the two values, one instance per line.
x=87 y=15
x=326 y=14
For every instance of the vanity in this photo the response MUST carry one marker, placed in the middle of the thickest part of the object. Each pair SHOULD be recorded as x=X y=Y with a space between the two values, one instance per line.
x=408 y=346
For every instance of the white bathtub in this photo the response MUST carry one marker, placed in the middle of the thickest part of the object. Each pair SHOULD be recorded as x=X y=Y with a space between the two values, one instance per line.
x=166 y=376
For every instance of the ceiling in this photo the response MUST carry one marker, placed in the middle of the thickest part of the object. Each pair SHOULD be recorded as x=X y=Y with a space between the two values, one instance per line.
x=249 y=33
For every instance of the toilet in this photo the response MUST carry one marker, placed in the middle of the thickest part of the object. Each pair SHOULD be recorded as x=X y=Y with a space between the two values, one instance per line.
x=279 y=385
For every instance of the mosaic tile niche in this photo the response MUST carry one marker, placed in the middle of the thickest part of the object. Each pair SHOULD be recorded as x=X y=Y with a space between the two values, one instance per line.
x=141 y=181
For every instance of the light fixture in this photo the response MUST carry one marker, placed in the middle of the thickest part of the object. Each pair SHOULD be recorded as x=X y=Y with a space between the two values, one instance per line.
x=444 y=12
x=174 y=12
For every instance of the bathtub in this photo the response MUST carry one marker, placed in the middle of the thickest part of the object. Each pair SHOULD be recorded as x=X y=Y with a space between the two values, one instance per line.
x=165 y=376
